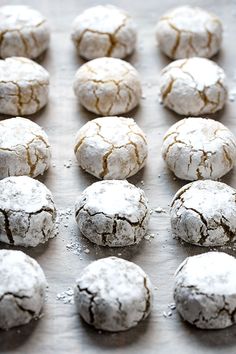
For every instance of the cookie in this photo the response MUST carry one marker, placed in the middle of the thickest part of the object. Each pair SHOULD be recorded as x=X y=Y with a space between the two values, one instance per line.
x=24 y=86
x=22 y=289
x=204 y=213
x=194 y=86
x=24 y=148
x=199 y=148
x=111 y=147
x=104 y=31
x=112 y=213
x=113 y=294
x=24 y=32
x=27 y=212
x=108 y=86
x=205 y=290
x=188 y=31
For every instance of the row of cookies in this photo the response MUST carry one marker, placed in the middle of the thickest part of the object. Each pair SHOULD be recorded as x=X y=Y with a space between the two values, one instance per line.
x=109 y=86
x=200 y=150
x=108 y=31
x=114 y=295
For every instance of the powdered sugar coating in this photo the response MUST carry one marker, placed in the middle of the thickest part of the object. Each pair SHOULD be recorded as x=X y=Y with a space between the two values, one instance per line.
x=24 y=148
x=24 y=86
x=204 y=213
x=111 y=147
x=24 y=32
x=205 y=290
x=112 y=213
x=104 y=31
x=27 y=212
x=194 y=86
x=188 y=31
x=108 y=86
x=199 y=148
x=22 y=289
x=113 y=294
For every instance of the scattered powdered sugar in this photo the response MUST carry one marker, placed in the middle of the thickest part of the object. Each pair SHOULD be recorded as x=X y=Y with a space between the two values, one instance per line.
x=148 y=237
x=170 y=311
x=159 y=210
x=74 y=247
x=68 y=164
x=67 y=296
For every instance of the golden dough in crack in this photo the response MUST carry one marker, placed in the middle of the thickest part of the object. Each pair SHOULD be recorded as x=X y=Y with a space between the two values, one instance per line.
x=204 y=213
x=199 y=148
x=112 y=213
x=188 y=31
x=111 y=147
x=24 y=148
x=24 y=86
x=194 y=86
x=108 y=86
x=24 y=32
x=104 y=31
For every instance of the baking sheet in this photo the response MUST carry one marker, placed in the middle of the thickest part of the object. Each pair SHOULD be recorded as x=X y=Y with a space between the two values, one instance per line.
x=61 y=330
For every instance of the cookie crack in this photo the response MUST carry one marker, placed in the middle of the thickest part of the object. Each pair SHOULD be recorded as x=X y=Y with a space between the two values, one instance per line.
x=148 y=299
x=92 y=301
x=7 y=226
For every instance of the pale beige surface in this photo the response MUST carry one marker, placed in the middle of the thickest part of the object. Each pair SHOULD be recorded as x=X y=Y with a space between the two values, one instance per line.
x=60 y=330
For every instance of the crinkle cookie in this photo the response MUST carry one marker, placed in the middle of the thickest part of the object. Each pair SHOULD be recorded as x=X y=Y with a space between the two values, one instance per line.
x=113 y=294
x=24 y=86
x=188 y=31
x=199 y=148
x=111 y=147
x=22 y=289
x=24 y=32
x=24 y=148
x=193 y=86
x=27 y=212
x=204 y=213
x=112 y=213
x=108 y=86
x=104 y=31
x=205 y=290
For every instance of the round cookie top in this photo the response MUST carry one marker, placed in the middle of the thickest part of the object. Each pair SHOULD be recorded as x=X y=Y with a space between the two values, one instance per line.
x=209 y=273
x=188 y=31
x=19 y=70
x=17 y=17
x=24 y=194
x=108 y=86
x=199 y=148
x=104 y=30
x=20 y=131
x=204 y=213
x=24 y=148
x=193 y=86
x=113 y=197
x=112 y=213
x=20 y=274
x=111 y=147
x=111 y=284
x=24 y=32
